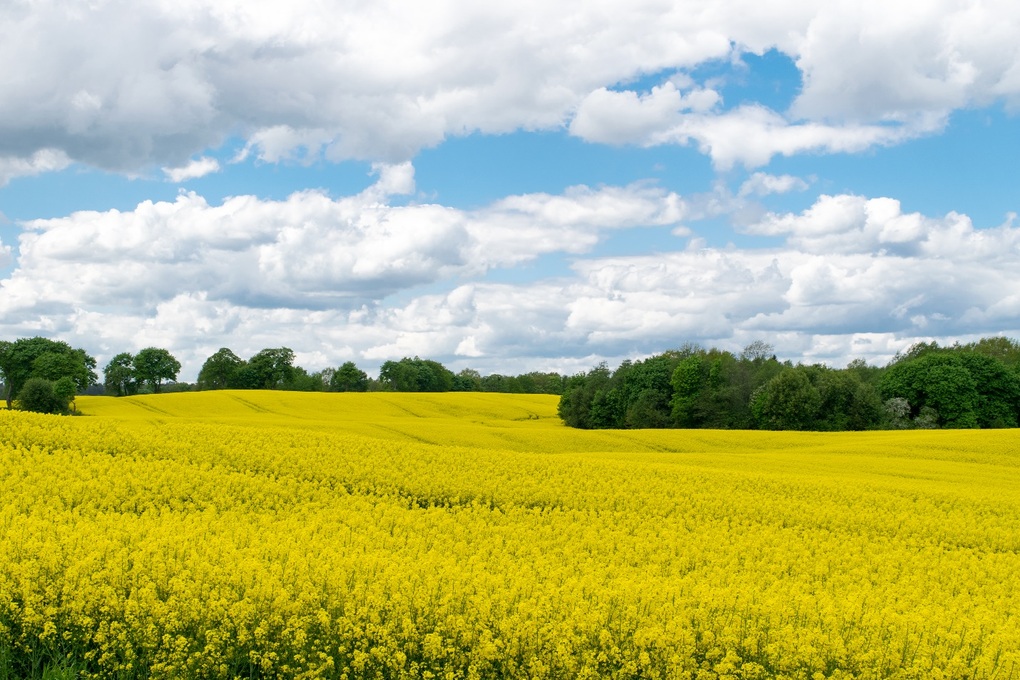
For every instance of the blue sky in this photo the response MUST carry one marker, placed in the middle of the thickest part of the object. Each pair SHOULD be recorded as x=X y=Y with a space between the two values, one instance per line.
x=508 y=189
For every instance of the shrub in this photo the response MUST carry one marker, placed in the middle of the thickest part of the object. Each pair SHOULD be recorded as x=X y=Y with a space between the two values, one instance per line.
x=39 y=395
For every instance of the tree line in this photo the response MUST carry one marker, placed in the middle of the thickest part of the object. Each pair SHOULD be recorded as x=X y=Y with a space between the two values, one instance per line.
x=274 y=369
x=959 y=386
x=43 y=375
x=39 y=374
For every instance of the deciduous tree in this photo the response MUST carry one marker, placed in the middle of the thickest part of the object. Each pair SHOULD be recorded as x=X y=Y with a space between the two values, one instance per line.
x=348 y=378
x=154 y=366
x=220 y=371
x=39 y=357
x=787 y=402
x=119 y=376
x=272 y=368
x=38 y=395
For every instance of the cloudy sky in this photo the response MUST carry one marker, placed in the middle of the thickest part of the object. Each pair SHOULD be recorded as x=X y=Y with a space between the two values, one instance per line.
x=508 y=186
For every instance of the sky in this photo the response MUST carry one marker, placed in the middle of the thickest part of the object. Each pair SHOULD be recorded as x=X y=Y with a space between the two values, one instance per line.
x=510 y=187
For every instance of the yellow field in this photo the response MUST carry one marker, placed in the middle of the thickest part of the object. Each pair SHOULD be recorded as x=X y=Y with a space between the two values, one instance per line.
x=268 y=534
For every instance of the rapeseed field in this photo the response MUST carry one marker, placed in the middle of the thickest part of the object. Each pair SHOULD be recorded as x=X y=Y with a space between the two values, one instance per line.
x=268 y=534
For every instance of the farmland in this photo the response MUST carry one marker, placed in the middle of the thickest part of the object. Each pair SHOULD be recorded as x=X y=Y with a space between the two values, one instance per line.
x=270 y=534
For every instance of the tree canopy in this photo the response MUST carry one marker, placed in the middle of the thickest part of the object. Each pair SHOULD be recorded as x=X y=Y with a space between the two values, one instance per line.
x=348 y=378
x=927 y=385
x=45 y=359
x=220 y=371
x=150 y=368
x=416 y=375
x=955 y=387
x=119 y=376
x=270 y=368
x=973 y=385
x=154 y=366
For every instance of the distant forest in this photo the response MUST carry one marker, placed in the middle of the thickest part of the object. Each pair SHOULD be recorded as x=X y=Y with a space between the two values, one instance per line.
x=960 y=386
x=928 y=386
x=43 y=375
x=274 y=369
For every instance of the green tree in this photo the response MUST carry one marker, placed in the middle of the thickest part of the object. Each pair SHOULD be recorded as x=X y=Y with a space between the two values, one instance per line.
x=65 y=391
x=468 y=380
x=416 y=375
x=434 y=377
x=494 y=382
x=608 y=409
x=575 y=405
x=272 y=368
x=38 y=395
x=247 y=378
x=916 y=351
x=952 y=392
x=688 y=380
x=154 y=366
x=865 y=373
x=348 y=378
x=303 y=381
x=955 y=388
x=119 y=376
x=1006 y=350
x=647 y=409
x=220 y=371
x=787 y=402
x=643 y=390
x=847 y=403
x=998 y=389
x=713 y=388
x=547 y=383
x=399 y=376
x=39 y=357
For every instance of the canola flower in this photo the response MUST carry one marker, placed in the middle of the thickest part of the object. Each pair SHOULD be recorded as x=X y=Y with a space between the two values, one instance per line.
x=265 y=534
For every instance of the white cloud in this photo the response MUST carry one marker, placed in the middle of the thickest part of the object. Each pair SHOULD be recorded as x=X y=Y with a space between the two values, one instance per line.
x=764 y=184
x=359 y=278
x=394 y=180
x=864 y=61
x=749 y=135
x=126 y=86
x=42 y=160
x=815 y=305
x=193 y=170
x=625 y=117
x=187 y=269
x=283 y=142
x=855 y=224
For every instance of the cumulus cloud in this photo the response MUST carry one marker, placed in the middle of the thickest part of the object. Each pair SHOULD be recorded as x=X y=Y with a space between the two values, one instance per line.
x=125 y=86
x=311 y=250
x=358 y=278
x=626 y=117
x=858 y=225
x=870 y=62
x=197 y=168
x=748 y=135
x=164 y=262
x=824 y=307
x=764 y=184
x=38 y=162
x=817 y=305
